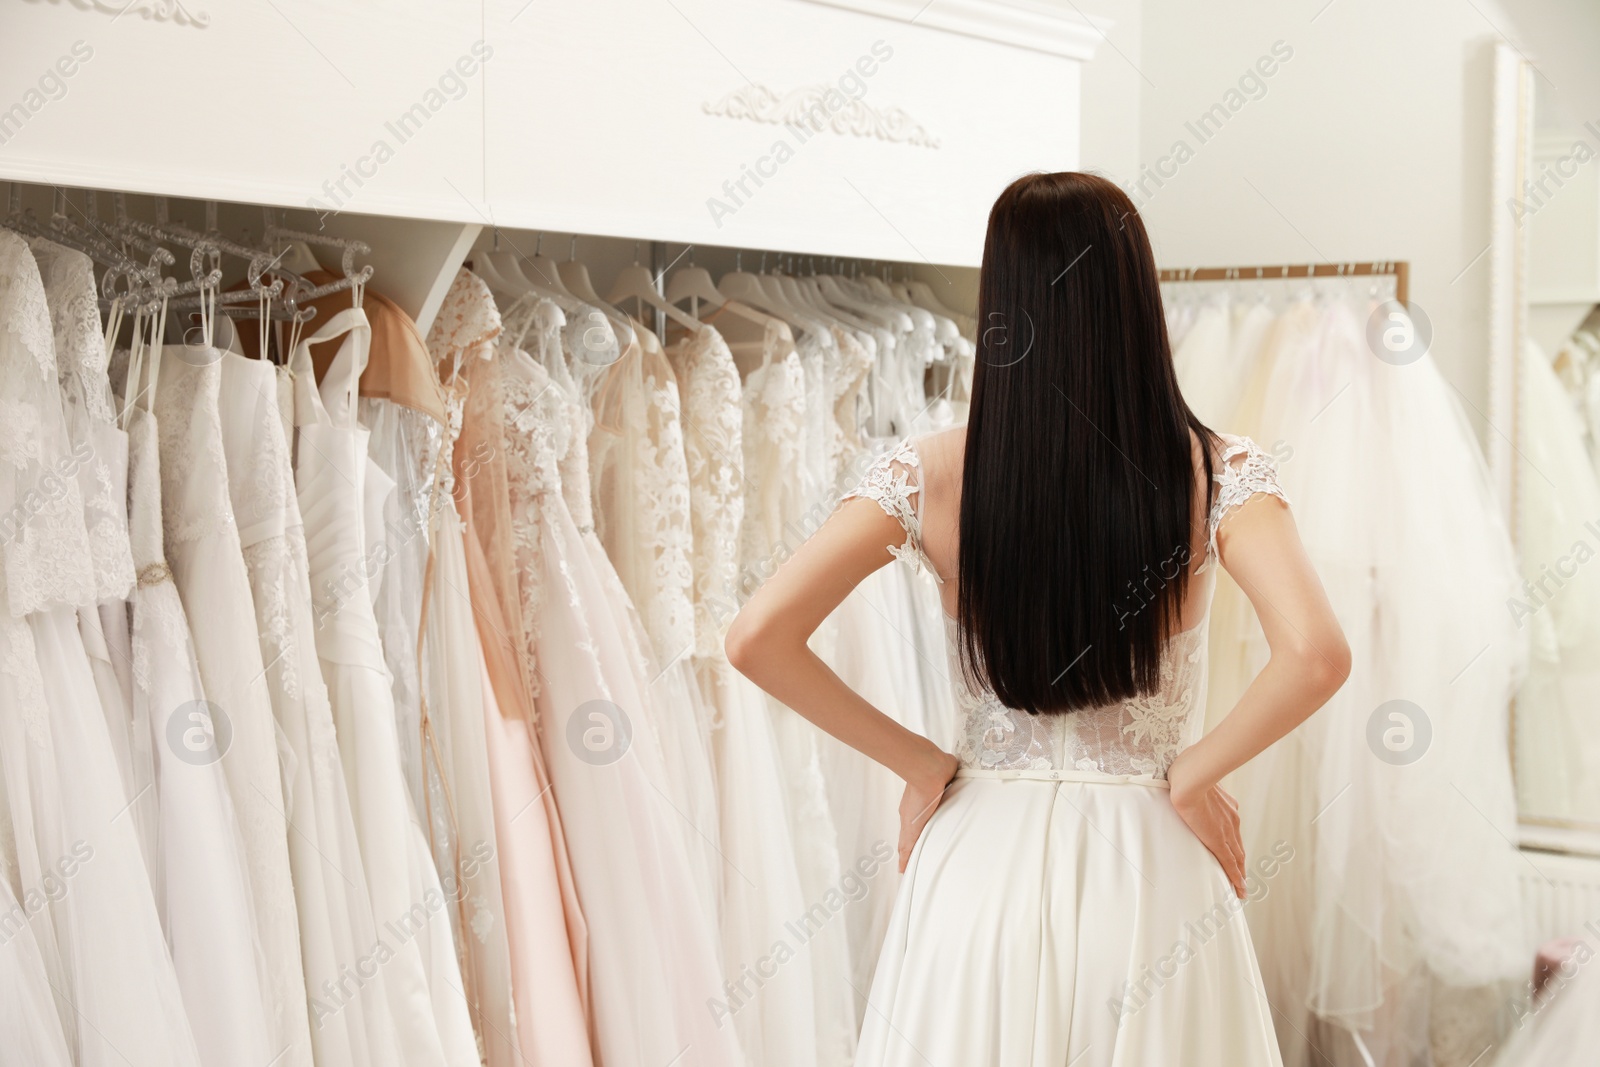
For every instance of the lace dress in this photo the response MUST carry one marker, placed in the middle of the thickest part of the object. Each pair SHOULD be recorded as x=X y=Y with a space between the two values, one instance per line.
x=79 y=868
x=641 y=481
x=1056 y=910
x=546 y=930
x=81 y=364
x=760 y=881
x=422 y=978
x=330 y=882
x=774 y=401
x=653 y=969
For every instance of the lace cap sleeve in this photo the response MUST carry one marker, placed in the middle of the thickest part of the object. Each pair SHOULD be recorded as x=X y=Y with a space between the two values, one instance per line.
x=894 y=482
x=1243 y=471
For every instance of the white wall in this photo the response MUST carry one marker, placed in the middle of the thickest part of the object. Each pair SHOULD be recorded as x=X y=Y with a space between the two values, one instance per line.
x=1370 y=142
x=1110 y=85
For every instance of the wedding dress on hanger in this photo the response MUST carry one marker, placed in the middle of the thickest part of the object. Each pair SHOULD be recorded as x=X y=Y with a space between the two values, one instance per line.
x=641 y=489
x=1095 y=931
x=422 y=977
x=431 y=645
x=760 y=882
x=1560 y=613
x=774 y=401
x=1200 y=360
x=102 y=475
x=118 y=994
x=1453 y=649
x=331 y=893
x=651 y=959
x=545 y=924
x=196 y=861
x=205 y=555
x=27 y=1010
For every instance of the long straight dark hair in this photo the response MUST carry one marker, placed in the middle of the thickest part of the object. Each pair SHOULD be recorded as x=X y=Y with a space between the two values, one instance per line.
x=1077 y=491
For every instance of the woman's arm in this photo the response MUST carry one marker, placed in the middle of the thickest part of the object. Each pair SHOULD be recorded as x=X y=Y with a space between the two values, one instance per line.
x=1260 y=547
x=767 y=643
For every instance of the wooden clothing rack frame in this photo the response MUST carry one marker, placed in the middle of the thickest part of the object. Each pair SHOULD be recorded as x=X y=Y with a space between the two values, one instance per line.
x=1398 y=269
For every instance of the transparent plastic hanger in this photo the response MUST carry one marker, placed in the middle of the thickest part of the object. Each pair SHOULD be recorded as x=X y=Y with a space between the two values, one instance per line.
x=299 y=247
x=141 y=282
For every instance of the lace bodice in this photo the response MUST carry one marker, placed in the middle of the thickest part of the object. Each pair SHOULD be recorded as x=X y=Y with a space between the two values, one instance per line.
x=1138 y=738
x=44 y=544
x=642 y=493
x=714 y=451
x=544 y=331
x=81 y=366
x=774 y=438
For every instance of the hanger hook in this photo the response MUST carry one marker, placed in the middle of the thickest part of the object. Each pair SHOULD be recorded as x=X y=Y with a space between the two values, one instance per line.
x=538 y=242
x=572 y=253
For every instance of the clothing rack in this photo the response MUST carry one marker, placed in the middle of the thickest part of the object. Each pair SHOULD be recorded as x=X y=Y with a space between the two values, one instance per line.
x=1398 y=269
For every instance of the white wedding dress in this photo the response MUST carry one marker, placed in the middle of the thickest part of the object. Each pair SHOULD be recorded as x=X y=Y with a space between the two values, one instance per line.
x=1055 y=909
x=642 y=516
x=330 y=882
x=421 y=974
x=774 y=401
x=207 y=562
x=79 y=868
x=197 y=864
x=1558 y=728
x=775 y=1017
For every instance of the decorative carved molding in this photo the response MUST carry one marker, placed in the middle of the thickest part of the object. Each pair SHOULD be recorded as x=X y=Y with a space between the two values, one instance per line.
x=156 y=10
x=1038 y=25
x=809 y=109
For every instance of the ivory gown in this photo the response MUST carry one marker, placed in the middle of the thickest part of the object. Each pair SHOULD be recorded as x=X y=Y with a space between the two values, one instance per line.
x=79 y=866
x=422 y=977
x=1055 y=909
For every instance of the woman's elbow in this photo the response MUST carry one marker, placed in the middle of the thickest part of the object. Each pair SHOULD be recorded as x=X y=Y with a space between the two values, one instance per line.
x=744 y=640
x=1326 y=663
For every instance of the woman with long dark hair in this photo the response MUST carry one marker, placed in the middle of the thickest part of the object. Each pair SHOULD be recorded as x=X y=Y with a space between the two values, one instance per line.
x=1074 y=873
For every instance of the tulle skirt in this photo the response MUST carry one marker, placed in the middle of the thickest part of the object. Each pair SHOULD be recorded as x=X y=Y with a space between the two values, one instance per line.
x=1068 y=922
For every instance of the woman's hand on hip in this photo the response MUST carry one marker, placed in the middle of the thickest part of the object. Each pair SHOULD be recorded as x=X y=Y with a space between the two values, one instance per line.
x=922 y=797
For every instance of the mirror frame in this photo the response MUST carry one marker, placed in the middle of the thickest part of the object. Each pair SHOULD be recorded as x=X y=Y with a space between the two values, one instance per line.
x=1511 y=140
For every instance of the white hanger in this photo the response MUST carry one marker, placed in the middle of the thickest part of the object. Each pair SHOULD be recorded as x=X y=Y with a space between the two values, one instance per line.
x=575 y=276
x=854 y=300
x=695 y=284
x=509 y=267
x=745 y=287
x=637 y=283
x=546 y=272
x=484 y=266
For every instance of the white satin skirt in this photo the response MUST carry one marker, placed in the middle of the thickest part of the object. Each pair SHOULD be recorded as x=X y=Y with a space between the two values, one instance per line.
x=1066 y=919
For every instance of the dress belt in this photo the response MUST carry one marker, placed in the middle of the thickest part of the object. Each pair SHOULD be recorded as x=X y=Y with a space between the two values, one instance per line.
x=1049 y=774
